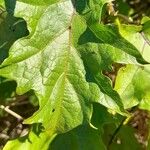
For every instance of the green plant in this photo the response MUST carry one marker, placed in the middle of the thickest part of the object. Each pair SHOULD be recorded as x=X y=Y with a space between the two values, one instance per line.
x=66 y=57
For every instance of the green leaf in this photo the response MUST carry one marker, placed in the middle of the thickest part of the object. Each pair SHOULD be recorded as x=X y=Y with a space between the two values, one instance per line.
x=107 y=34
x=123 y=8
x=146 y=29
x=146 y=24
x=131 y=82
x=51 y=66
x=81 y=138
x=91 y=10
x=124 y=139
x=134 y=34
x=101 y=116
x=132 y=85
x=11 y=29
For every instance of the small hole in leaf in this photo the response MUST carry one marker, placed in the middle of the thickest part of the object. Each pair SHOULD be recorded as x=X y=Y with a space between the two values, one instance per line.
x=142 y=67
x=53 y=110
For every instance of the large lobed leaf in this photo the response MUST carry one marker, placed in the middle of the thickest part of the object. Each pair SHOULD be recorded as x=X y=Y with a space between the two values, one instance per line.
x=49 y=64
x=63 y=53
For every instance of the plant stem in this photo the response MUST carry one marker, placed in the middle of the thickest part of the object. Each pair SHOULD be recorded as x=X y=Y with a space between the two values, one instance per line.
x=11 y=112
x=115 y=133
